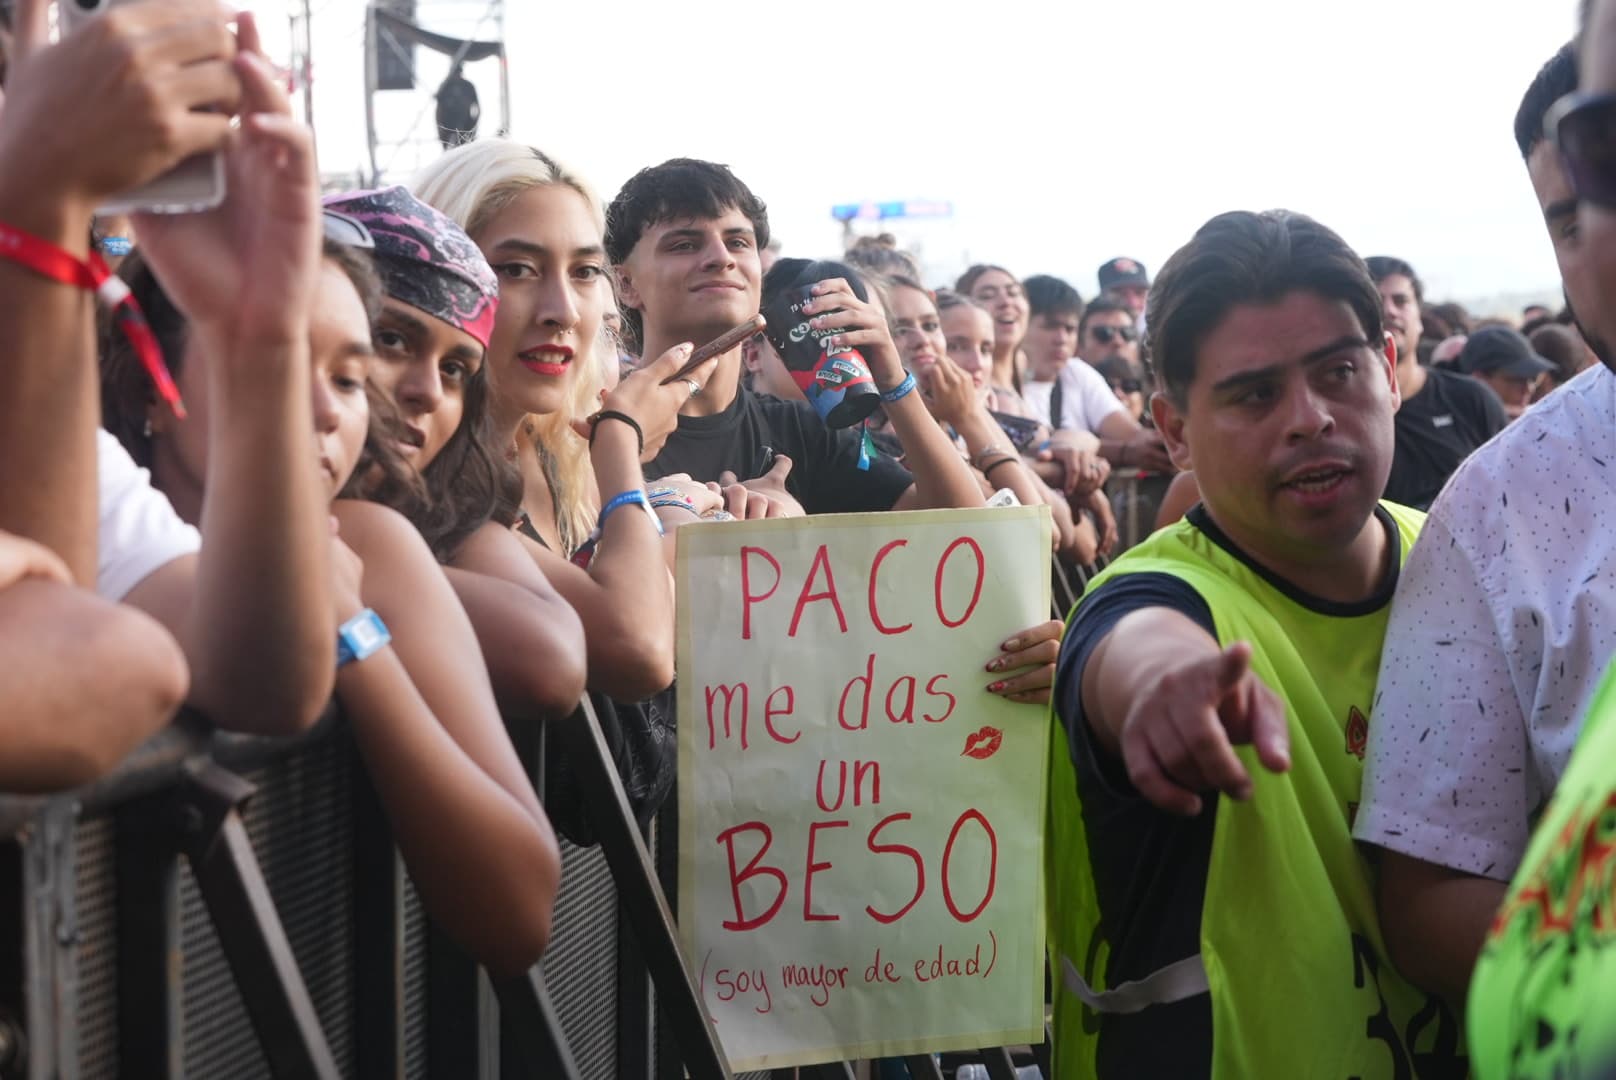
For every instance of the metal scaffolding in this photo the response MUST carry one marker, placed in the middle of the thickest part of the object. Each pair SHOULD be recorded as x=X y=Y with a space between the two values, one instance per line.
x=425 y=59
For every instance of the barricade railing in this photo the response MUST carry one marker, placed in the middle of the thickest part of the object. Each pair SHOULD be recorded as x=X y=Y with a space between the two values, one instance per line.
x=232 y=905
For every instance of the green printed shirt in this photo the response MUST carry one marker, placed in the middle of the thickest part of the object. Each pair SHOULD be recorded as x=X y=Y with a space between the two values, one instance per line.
x=1543 y=999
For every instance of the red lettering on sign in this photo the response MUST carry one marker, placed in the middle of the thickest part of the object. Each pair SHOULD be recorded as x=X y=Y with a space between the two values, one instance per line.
x=875 y=569
x=813 y=868
x=748 y=598
x=727 y=838
x=729 y=693
x=897 y=849
x=770 y=712
x=804 y=598
x=976 y=590
x=993 y=865
x=864 y=710
x=931 y=690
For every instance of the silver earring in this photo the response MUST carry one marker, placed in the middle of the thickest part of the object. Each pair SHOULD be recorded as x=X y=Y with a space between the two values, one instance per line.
x=145 y=430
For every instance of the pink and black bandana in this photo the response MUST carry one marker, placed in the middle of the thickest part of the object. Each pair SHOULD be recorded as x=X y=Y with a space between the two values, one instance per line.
x=425 y=259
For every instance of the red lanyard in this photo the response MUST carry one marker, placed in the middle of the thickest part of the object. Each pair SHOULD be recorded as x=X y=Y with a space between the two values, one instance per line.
x=48 y=260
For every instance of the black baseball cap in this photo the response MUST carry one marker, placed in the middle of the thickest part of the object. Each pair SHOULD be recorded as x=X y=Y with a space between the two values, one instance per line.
x=1122 y=271
x=1501 y=350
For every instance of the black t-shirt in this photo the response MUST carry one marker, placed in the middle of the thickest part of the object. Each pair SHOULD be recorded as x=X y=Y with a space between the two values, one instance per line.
x=1149 y=867
x=1438 y=428
x=744 y=439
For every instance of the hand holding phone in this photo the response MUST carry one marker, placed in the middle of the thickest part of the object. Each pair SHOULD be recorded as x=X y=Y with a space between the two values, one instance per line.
x=197 y=182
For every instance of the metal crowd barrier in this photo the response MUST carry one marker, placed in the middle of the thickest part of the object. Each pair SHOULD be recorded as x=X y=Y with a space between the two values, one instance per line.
x=229 y=906
x=232 y=906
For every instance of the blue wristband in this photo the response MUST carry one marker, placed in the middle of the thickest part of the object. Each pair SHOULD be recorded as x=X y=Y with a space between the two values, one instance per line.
x=361 y=636
x=637 y=495
x=901 y=391
x=117 y=245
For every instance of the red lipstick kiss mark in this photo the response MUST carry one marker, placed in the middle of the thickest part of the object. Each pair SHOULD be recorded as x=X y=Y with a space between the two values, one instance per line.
x=984 y=744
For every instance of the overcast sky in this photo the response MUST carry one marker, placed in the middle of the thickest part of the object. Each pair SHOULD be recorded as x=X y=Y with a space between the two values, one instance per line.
x=1062 y=134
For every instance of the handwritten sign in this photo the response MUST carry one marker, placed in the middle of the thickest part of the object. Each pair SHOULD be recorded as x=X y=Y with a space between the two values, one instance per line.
x=861 y=865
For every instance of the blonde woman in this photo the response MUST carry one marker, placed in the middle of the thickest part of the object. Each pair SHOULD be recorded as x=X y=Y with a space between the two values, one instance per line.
x=540 y=227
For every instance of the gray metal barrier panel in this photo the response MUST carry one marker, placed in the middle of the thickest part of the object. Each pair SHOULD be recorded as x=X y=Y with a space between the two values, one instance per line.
x=63 y=973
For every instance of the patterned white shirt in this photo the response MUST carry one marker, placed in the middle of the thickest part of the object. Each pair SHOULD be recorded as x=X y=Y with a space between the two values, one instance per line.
x=1503 y=622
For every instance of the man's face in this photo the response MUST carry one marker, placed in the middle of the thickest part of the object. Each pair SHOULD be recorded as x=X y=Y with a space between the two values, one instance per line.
x=1107 y=334
x=1288 y=426
x=1132 y=295
x=769 y=373
x=1571 y=250
x=1515 y=391
x=1597 y=224
x=1400 y=311
x=1051 y=341
x=694 y=279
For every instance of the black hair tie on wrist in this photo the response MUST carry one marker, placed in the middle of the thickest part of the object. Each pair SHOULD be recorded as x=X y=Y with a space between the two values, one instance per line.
x=613 y=414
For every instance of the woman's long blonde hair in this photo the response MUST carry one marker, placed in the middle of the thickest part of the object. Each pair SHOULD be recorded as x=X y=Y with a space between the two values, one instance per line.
x=471 y=184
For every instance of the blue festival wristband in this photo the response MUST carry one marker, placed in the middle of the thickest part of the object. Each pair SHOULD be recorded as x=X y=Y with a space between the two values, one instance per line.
x=637 y=495
x=901 y=391
x=361 y=636
x=117 y=245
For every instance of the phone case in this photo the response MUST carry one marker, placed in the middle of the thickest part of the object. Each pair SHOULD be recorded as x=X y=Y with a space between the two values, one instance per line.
x=195 y=184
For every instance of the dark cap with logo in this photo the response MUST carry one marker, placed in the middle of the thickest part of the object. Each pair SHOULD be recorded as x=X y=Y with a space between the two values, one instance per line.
x=1501 y=350
x=1123 y=271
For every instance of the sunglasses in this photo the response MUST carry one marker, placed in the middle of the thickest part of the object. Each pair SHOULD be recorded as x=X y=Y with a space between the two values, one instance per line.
x=339 y=228
x=1106 y=334
x=1129 y=386
x=1583 y=128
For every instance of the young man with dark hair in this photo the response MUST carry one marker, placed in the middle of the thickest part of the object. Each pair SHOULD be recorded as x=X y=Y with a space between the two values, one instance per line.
x=1062 y=394
x=1071 y=395
x=1210 y=915
x=1444 y=415
x=684 y=238
x=1505 y=621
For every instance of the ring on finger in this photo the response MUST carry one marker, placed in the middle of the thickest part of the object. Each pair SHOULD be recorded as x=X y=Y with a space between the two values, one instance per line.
x=695 y=387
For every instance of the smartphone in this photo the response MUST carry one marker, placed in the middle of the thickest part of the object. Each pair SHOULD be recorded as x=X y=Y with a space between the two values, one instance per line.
x=1022 y=430
x=195 y=184
x=723 y=343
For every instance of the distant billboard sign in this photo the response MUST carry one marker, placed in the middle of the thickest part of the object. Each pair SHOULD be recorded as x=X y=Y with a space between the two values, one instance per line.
x=901 y=208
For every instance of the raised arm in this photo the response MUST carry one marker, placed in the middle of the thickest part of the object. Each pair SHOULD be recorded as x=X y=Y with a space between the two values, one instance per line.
x=941 y=476
x=254 y=617
x=1160 y=694
x=53 y=172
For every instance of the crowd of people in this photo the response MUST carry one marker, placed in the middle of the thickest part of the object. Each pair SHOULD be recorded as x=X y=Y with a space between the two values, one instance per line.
x=1329 y=793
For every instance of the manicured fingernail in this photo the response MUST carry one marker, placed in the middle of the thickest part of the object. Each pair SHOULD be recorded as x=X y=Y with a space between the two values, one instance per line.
x=1012 y=645
x=687 y=348
x=995 y=665
x=994 y=688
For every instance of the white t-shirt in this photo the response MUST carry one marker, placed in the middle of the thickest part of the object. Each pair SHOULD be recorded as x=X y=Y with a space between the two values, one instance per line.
x=140 y=531
x=1086 y=398
x=1504 y=620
